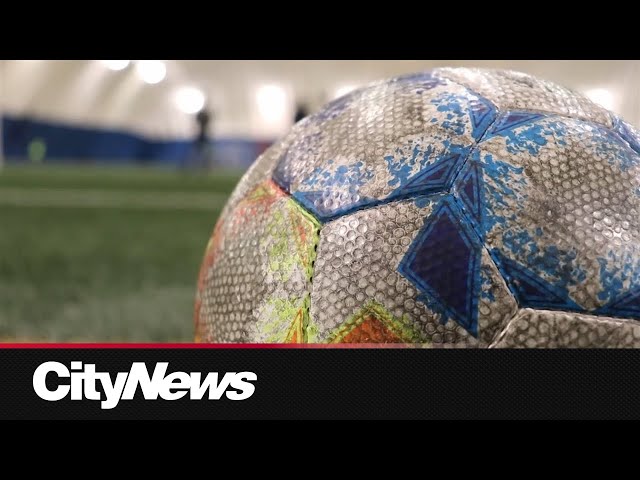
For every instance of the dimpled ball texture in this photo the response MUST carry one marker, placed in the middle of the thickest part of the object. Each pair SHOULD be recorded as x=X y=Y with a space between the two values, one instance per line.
x=451 y=208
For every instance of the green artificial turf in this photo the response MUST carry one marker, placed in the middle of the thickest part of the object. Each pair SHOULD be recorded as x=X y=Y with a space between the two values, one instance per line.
x=102 y=273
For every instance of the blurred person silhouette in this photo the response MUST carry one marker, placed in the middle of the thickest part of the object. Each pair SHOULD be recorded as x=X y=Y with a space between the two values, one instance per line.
x=204 y=142
x=301 y=112
x=203 y=158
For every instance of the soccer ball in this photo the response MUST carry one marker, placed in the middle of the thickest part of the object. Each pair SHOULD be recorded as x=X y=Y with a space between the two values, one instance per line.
x=454 y=208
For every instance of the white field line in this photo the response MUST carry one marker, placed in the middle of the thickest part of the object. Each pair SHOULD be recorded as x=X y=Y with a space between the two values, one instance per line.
x=79 y=198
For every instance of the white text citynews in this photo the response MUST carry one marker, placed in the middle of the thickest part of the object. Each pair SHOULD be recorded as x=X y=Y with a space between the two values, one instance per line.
x=84 y=379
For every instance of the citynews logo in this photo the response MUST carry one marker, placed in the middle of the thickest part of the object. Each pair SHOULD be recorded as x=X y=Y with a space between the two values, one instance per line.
x=83 y=380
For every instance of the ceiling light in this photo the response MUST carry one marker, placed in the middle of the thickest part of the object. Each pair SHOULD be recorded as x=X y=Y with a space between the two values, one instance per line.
x=116 y=65
x=602 y=97
x=272 y=102
x=189 y=99
x=151 y=71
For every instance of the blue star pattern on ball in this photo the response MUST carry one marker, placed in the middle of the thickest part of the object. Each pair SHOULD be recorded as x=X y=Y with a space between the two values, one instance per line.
x=444 y=264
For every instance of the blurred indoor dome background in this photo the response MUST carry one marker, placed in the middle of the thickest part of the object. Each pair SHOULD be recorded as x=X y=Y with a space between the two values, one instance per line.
x=115 y=171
